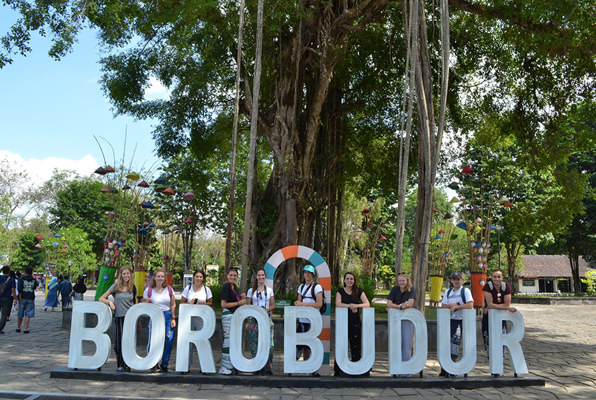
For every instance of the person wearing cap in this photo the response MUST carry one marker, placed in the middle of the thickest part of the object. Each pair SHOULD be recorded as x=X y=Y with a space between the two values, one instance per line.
x=456 y=299
x=310 y=294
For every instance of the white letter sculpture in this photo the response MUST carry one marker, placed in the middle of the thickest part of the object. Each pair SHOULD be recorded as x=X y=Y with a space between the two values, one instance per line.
x=368 y=342
x=199 y=338
x=240 y=362
x=468 y=359
x=497 y=339
x=129 y=336
x=310 y=339
x=418 y=360
x=97 y=335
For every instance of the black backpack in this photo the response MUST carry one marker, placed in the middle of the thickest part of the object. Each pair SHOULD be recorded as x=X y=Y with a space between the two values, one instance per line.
x=313 y=296
x=4 y=286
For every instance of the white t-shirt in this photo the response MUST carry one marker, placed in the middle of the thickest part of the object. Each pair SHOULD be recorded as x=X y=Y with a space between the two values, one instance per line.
x=161 y=299
x=306 y=293
x=201 y=295
x=456 y=297
x=261 y=299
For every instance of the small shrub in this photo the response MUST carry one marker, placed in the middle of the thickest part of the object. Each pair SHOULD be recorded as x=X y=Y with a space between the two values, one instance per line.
x=216 y=291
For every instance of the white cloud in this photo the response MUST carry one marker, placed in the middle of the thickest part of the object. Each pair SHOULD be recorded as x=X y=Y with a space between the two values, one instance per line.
x=156 y=90
x=40 y=171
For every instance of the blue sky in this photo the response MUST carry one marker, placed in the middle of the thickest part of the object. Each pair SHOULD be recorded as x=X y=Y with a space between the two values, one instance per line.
x=50 y=110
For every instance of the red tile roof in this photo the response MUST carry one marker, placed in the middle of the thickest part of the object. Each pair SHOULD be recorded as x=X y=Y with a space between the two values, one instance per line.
x=550 y=267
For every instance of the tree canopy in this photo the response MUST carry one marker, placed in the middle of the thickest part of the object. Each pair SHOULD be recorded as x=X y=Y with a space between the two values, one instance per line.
x=521 y=78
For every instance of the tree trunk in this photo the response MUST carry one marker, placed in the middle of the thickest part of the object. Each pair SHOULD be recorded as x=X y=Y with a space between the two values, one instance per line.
x=574 y=263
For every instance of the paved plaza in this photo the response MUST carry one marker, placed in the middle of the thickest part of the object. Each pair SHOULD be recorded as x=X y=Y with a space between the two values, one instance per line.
x=559 y=346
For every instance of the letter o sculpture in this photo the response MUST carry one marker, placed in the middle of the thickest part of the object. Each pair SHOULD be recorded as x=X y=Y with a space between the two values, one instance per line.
x=324 y=279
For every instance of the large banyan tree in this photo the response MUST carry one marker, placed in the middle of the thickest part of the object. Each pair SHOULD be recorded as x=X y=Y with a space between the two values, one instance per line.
x=334 y=90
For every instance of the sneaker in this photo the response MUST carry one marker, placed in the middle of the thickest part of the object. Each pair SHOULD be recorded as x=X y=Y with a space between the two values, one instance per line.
x=164 y=369
x=120 y=369
x=18 y=330
x=26 y=331
x=224 y=371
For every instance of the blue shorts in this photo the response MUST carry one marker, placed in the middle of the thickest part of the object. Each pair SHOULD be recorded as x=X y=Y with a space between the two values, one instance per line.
x=26 y=308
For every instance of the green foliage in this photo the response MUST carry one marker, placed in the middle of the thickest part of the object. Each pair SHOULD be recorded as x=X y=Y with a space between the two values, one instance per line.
x=79 y=206
x=369 y=287
x=590 y=281
x=26 y=254
x=386 y=274
x=79 y=257
x=216 y=291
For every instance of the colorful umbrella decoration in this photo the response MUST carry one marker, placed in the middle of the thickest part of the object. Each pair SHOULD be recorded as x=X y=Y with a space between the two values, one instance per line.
x=169 y=191
x=133 y=176
x=467 y=170
x=189 y=196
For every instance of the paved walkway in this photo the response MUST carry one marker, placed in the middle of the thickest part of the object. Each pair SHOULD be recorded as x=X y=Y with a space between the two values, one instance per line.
x=559 y=345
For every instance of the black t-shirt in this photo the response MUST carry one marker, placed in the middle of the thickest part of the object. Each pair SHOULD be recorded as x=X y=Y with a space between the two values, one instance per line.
x=348 y=299
x=27 y=286
x=398 y=297
x=230 y=294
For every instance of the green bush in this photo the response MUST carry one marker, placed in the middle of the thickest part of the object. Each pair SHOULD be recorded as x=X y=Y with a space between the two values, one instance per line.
x=369 y=287
x=216 y=291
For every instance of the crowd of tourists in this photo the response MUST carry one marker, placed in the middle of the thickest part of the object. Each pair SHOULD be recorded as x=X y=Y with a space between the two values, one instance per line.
x=122 y=295
x=18 y=290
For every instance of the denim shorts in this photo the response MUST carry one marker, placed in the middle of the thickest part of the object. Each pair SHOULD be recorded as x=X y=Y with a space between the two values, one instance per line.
x=26 y=308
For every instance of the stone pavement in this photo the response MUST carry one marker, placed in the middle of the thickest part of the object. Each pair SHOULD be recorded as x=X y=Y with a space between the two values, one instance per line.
x=559 y=346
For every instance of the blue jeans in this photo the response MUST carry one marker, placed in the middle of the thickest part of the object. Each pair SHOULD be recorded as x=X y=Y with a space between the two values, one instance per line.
x=167 y=348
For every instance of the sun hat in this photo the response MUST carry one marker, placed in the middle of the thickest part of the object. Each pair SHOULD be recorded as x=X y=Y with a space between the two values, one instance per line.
x=309 y=268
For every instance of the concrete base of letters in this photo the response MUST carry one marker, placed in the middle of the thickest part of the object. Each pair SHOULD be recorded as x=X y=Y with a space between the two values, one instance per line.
x=475 y=382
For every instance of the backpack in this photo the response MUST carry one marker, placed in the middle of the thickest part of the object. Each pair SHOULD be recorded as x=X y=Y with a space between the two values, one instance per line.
x=462 y=293
x=150 y=291
x=5 y=286
x=491 y=287
x=313 y=296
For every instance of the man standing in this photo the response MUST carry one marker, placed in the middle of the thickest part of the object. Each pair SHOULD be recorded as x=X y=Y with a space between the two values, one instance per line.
x=66 y=292
x=7 y=295
x=456 y=299
x=27 y=285
x=497 y=295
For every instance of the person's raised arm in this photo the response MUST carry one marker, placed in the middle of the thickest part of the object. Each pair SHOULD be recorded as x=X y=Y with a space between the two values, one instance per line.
x=338 y=303
x=364 y=300
x=104 y=299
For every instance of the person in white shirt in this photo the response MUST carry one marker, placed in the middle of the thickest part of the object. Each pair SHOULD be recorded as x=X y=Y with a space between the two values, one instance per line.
x=161 y=294
x=310 y=294
x=456 y=299
x=261 y=296
x=196 y=293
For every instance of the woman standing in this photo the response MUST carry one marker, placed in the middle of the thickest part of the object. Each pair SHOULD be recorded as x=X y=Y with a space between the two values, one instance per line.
x=310 y=294
x=353 y=298
x=196 y=293
x=52 y=297
x=80 y=288
x=125 y=296
x=261 y=296
x=160 y=293
x=230 y=301
x=402 y=296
